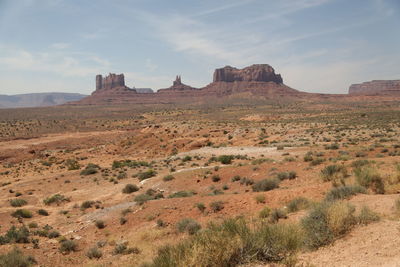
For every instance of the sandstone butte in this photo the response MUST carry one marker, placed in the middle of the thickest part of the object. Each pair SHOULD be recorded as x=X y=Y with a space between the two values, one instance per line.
x=258 y=81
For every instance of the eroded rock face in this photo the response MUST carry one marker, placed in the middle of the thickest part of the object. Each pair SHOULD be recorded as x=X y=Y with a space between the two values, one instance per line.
x=177 y=85
x=109 y=82
x=384 y=87
x=253 y=73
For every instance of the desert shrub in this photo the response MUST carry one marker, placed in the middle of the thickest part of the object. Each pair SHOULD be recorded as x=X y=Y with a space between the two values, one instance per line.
x=286 y=175
x=369 y=178
x=343 y=192
x=33 y=225
x=122 y=220
x=89 y=171
x=333 y=146
x=236 y=178
x=100 y=224
x=360 y=163
x=225 y=159
x=260 y=198
x=188 y=225
x=264 y=213
x=265 y=185
x=15 y=235
x=53 y=234
x=327 y=221
x=168 y=178
x=397 y=205
x=200 y=206
x=246 y=181
x=87 y=204
x=57 y=199
x=334 y=172
x=18 y=202
x=317 y=161
x=215 y=178
x=367 y=216
x=43 y=212
x=308 y=157
x=120 y=248
x=72 y=164
x=15 y=258
x=232 y=243
x=130 y=188
x=128 y=163
x=94 y=253
x=298 y=203
x=146 y=175
x=67 y=246
x=276 y=215
x=216 y=206
x=186 y=158
x=22 y=213
x=181 y=194
x=143 y=198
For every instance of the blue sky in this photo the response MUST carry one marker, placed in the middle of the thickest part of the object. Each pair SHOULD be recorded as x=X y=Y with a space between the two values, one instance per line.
x=317 y=45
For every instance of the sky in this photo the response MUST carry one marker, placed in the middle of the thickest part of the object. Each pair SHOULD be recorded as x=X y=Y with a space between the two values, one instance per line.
x=316 y=45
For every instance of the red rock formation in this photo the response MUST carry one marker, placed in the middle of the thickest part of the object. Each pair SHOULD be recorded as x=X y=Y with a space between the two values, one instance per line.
x=109 y=82
x=254 y=73
x=259 y=81
x=376 y=87
x=177 y=86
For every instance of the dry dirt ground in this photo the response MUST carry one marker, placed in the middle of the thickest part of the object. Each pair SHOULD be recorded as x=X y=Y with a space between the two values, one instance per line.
x=186 y=143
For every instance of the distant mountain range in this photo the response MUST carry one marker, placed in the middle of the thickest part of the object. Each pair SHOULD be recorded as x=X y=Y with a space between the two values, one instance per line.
x=38 y=99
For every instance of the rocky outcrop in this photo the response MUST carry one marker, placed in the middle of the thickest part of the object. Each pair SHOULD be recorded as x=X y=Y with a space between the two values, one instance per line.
x=109 y=82
x=253 y=73
x=177 y=86
x=254 y=82
x=376 y=87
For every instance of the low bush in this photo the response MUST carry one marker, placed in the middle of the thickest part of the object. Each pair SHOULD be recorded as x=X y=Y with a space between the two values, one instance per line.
x=286 y=175
x=146 y=175
x=143 y=198
x=181 y=194
x=94 y=253
x=276 y=215
x=232 y=243
x=201 y=207
x=130 y=188
x=217 y=206
x=334 y=172
x=369 y=178
x=57 y=199
x=260 y=198
x=343 y=192
x=264 y=213
x=15 y=235
x=22 y=213
x=100 y=224
x=188 y=225
x=67 y=246
x=43 y=212
x=215 y=178
x=298 y=203
x=168 y=178
x=87 y=204
x=15 y=258
x=326 y=222
x=18 y=202
x=225 y=159
x=265 y=185
x=367 y=216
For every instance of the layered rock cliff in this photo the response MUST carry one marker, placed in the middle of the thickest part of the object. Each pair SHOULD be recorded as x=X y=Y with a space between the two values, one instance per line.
x=253 y=73
x=378 y=87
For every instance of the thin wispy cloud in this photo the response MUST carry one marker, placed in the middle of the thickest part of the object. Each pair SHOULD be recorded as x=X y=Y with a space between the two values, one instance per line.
x=152 y=41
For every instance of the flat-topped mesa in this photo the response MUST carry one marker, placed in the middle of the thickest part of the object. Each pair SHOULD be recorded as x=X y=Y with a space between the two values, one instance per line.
x=380 y=87
x=109 y=82
x=253 y=73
